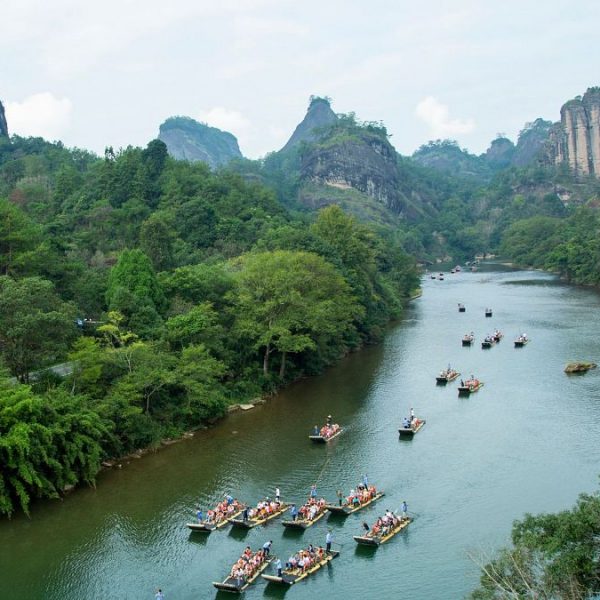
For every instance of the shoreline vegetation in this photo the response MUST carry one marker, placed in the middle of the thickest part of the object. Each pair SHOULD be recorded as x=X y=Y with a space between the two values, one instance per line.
x=174 y=292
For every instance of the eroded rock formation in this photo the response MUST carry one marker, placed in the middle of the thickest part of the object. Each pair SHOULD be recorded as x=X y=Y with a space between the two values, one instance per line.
x=576 y=139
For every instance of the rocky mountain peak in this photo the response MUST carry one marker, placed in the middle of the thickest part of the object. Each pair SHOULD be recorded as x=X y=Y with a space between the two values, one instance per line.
x=187 y=139
x=318 y=116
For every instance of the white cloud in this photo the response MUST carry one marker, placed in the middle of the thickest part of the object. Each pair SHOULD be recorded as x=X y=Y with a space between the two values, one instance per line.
x=437 y=116
x=41 y=114
x=232 y=121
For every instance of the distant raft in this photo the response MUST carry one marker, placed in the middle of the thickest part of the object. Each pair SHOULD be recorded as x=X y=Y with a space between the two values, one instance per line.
x=522 y=340
x=350 y=505
x=488 y=312
x=326 y=433
x=470 y=387
x=446 y=376
x=468 y=339
x=237 y=583
x=293 y=574
x=414 y=427
x=488 y=342
x=378 y=535
x=264 y=512
x=461 y=308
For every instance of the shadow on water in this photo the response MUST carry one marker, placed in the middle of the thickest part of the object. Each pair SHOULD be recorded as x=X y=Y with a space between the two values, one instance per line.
x=238 y=533
x=293 y=533
x=274 y=590
x=367 y=552
x=198 y=538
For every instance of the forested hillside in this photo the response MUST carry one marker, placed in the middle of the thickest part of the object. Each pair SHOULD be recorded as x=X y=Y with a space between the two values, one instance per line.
x=172 y=291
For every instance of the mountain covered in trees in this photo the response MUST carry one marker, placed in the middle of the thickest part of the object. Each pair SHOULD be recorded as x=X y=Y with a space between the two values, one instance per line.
x=187 y=139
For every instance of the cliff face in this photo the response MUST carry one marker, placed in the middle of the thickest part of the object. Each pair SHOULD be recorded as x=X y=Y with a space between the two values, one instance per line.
x=531 y=142
x=352 y=161
x=576 y=140
x=3 y=124
x=187 y=139
x=318 y=116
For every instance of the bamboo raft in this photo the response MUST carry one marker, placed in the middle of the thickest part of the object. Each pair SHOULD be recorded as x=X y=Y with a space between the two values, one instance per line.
x=255 y=521
x=469 y=389
x=292 y=576
x=468 y=340
x=235 y=585
x=488 y=343
x=377 y=540
x=305 y=523
x=447 y=377
x=323 y=440
x=488 y=312
x=520 y=342
x=410 y=431
x=348 y=509
x=207 y=526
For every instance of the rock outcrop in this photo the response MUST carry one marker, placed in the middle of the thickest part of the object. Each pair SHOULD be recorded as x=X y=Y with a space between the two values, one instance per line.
x=318 y=116
x=187 y=139
x=3 y=124
x=532 y=141
x=500 y=153
x=575 y=141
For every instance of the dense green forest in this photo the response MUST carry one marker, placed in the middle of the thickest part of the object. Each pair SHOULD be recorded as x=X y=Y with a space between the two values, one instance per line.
x=172 y=292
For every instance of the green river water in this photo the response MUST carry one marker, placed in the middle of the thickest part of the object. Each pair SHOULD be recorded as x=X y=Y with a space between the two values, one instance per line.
x=527 y=442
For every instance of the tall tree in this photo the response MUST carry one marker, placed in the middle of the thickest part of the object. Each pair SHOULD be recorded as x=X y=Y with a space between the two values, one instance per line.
x=36 y=326
x=285 y=300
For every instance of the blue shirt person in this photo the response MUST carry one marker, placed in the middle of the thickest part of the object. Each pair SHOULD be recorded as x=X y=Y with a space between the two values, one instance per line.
x=328 y=540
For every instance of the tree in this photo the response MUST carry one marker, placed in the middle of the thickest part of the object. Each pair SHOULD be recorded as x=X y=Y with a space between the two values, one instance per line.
x=156 y=241
x=553 y=556
x=134 y=291
x=36 y=326
x=18 y=239
x=46 y=444
x=285 y=300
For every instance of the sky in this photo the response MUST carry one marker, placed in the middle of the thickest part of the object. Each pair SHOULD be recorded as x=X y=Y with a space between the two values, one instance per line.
x=95 y=74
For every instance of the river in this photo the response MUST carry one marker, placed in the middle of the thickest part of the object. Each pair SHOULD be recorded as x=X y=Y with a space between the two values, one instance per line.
x=526 y=442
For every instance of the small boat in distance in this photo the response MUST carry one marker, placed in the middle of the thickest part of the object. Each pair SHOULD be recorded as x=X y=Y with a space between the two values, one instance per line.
x=470 y=386
x=218 y=517
x=446 y=375
x=327 y=433
x=409 y=428
x=488 y=342
x=265 y=511
x=498 y=335
x=244 y=572
x=468 y=339
x=361 y=498
x=441 y=277
x=457 y=268
x=521 y=340
x=384 y=529
x=461 y=307
x=303 y=564
x=488 y=312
